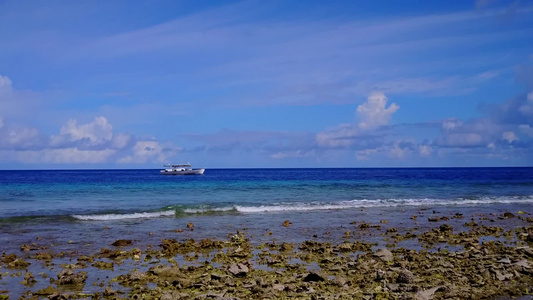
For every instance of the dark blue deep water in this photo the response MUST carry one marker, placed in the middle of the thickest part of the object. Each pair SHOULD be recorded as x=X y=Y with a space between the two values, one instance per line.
x=67 y=207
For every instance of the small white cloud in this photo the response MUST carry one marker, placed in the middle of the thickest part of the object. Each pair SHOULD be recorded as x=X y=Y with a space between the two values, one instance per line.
x=526 y=129
x=425 y=150
x=374 y=113
x=397 y=152
x=365 y=154
x=509 y=136
x=146 y=151
x=97 y=132
x=290 y=154
x=491 y=146
x=20 y=138
x=341 y=137
x=527 y=108
x=121 y=140
x=5 y=83
x=451 y=124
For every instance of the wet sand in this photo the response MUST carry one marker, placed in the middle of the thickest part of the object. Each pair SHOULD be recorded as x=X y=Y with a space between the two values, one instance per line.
x=416 y=254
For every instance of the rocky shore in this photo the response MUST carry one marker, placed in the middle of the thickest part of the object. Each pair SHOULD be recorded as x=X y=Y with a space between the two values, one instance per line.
x=484 y=258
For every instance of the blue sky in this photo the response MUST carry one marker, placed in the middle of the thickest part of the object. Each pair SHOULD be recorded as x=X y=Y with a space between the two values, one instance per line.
x=135 y=84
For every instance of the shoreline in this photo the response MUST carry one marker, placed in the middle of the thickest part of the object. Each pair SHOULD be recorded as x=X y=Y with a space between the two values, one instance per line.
x=424 y=255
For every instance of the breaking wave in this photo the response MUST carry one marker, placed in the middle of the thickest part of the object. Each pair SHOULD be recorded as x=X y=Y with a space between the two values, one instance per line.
x=184 y=211
x=106 y=217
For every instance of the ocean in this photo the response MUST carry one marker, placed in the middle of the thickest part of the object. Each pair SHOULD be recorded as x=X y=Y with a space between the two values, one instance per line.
x=66 y=207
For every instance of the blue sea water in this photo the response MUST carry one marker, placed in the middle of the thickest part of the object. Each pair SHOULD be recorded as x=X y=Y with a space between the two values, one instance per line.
x=66 y=205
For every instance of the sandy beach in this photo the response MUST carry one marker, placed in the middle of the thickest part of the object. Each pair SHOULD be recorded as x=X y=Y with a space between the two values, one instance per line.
x=421 y=254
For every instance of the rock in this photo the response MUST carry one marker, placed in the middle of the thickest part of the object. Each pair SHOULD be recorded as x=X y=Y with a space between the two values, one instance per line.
x=103 y=265
x=25 y=248
x=43 y=256
x=505 y=260
x=172 y=271
x=287 y=223
x=190 y=225
x=67 y=276
x=503 y=277
x=313 y=277
x=428 y=294
x=278 y=287
x=364 y=226
x=28 y=279
x=393 y=287
x=340 y=281
x=18 y=263
x=413 y=217
x=46 y=291
x=238 y=270
x=109 y=292
x=405 y=276
x=445 y=227
x=58 y=296
x=384 y=255
x=508 y=215
x=122 y=243
x=433 y=219
x=392 y=229
x=523 y=263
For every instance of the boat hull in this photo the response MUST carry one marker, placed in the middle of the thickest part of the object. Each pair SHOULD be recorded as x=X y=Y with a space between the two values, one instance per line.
x=183 y=172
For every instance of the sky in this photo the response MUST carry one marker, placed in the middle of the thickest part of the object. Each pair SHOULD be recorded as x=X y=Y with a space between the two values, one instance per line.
x=249 y=84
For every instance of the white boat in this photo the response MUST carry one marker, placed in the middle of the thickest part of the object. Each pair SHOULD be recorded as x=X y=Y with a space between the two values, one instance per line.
x=184 y=169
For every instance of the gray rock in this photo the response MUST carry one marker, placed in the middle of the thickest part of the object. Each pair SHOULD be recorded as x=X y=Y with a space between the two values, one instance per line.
x=523 y=263
x=384 y=255
x=427 y=294
x=505 y=260
x=238 y=270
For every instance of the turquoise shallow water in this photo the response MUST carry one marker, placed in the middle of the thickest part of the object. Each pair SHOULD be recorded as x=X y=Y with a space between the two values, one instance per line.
x=63 y=206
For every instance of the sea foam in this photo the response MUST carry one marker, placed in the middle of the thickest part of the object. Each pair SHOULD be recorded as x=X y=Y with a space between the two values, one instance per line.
x=143 y=215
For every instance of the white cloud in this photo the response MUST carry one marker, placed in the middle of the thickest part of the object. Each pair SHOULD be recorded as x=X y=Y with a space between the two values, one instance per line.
x=527 y=108
x=291 y=154
x=150 y=151
x=121 y=140
x=373 y=113
x=5 y=84
x=340 y=137
x=89 y=143
x=425 y=150
x=451 y=124
x=365 y=154
x=98 y=131
x=397 y=152
x=526 y=129
x=20 y=138
x=509 y=136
